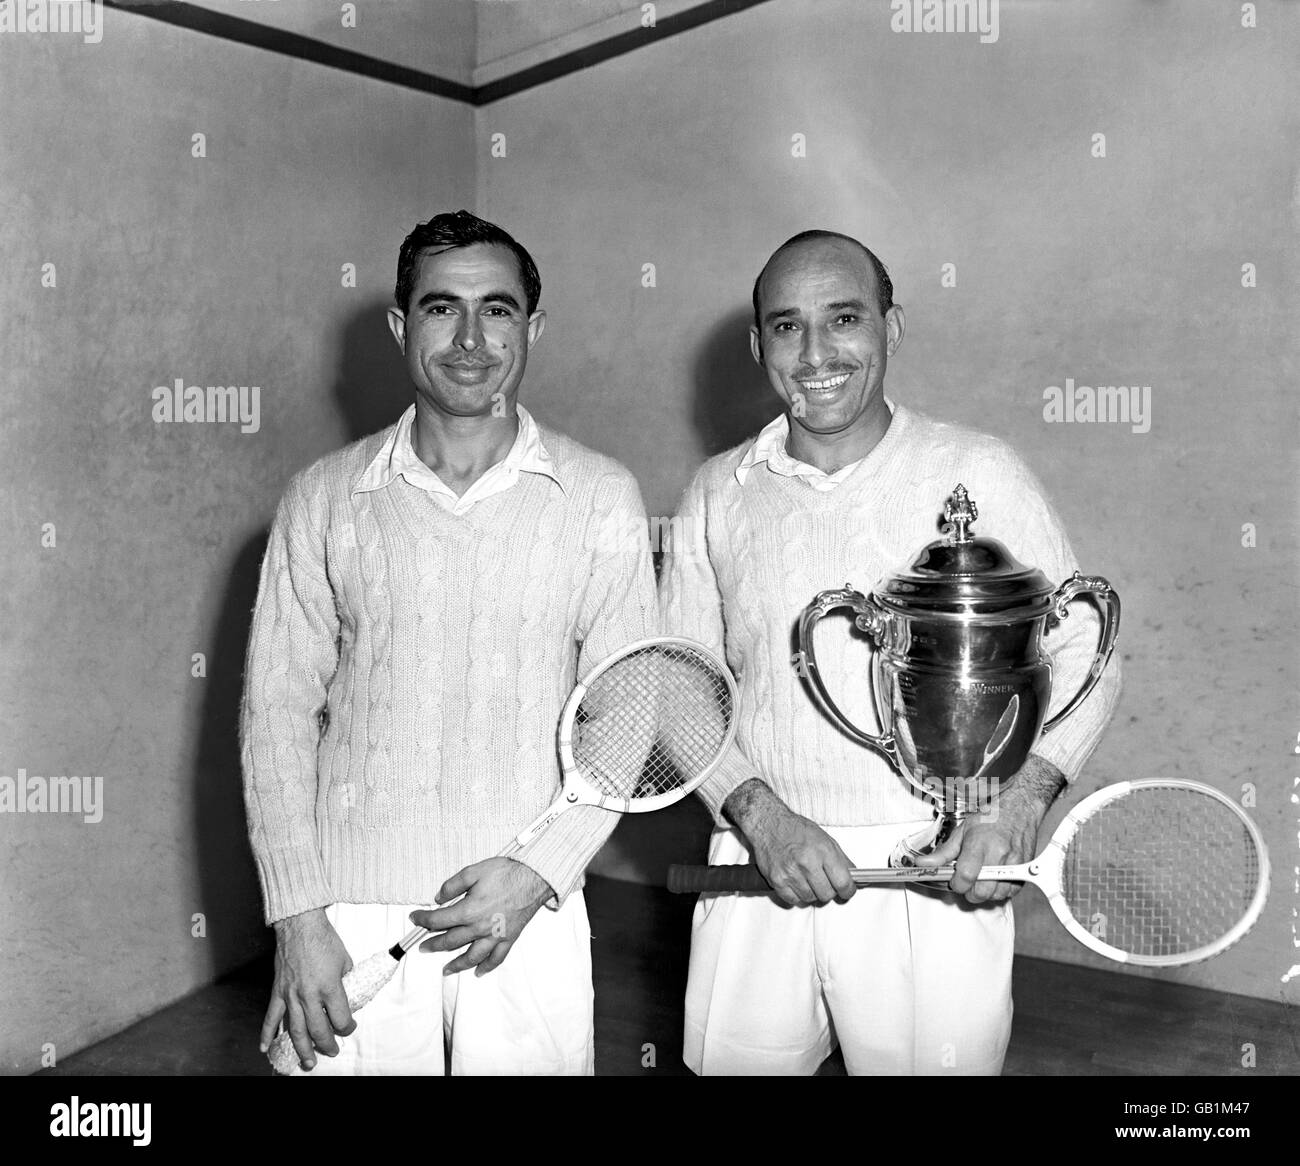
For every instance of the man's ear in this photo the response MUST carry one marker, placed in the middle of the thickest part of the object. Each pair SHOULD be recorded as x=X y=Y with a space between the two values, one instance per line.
x=536 y=326
x=895 y=325
x=756 y=345
x=397 y=326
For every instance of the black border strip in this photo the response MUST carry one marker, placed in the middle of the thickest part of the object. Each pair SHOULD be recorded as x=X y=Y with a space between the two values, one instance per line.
x=303 y=48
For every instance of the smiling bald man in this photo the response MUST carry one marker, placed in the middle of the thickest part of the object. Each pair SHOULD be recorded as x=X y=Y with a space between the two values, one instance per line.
x=848 y=485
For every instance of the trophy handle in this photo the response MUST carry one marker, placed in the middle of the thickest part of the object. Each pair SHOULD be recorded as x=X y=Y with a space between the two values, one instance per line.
x=871 y=621
x=1076 y=585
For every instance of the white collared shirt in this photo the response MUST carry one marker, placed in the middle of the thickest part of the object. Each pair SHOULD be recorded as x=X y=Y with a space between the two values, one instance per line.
x=769 y=447
x=397 y=457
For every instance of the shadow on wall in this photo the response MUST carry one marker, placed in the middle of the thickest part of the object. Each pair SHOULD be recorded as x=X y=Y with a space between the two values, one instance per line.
x=733 y=400
x=644 y=846
x=229 y=896
x=371 y=390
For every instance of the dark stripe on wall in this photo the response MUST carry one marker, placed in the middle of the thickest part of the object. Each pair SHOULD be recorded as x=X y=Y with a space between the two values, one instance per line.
x=290 y=44
x=614 y=46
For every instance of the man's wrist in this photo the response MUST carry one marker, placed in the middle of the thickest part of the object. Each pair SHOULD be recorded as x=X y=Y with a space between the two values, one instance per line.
x=751 y=806
x=1039 y=781
x=306 y=919
x=535 y=881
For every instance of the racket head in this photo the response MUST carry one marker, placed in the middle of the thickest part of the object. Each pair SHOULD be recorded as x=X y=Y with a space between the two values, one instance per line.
x=1173 y=871
x=647 y=725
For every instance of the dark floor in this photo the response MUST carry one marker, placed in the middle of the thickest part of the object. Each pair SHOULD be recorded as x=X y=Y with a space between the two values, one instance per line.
x=1069 y=1020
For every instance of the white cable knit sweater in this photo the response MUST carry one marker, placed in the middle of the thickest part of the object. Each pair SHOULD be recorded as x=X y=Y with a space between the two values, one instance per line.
x=746 y=560
x=407 y=668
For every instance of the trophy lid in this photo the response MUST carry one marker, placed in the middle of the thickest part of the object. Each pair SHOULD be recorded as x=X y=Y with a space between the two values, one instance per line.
x=966 y=573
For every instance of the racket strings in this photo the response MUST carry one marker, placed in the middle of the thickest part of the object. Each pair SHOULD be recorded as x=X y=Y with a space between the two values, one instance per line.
x=652 y=722
x=1161 y=872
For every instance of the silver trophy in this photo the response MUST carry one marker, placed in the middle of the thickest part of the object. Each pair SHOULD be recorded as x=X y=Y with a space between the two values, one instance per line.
x=960 y=680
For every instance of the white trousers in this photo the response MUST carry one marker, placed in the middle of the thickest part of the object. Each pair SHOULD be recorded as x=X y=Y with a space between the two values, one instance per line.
x=907 y=981
x=530 y=1016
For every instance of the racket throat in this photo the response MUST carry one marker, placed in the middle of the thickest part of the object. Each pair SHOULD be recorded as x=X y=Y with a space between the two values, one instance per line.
x=571 y=798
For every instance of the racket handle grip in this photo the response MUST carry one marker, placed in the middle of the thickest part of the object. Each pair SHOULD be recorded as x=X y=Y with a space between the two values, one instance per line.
x=691 y=880
x=282 y=1055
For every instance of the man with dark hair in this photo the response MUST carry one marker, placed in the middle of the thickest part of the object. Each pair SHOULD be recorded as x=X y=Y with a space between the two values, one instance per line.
x=461 y=229
x=428 y=597
x=847 y=484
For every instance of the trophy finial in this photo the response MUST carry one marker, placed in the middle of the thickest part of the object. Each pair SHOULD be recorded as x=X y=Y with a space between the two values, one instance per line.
x=959 y=512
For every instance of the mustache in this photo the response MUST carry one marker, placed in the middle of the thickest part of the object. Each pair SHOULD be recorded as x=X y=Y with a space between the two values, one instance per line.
x=820 y=374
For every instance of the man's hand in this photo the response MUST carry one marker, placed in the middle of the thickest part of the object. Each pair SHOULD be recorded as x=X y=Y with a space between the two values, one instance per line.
x=1005 y=835
x=802 y=862
x=501 y=896
x=310 y=963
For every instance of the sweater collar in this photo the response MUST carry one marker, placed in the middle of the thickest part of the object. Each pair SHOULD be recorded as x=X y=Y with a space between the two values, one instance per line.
x=396 y=458
x=770 y=447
